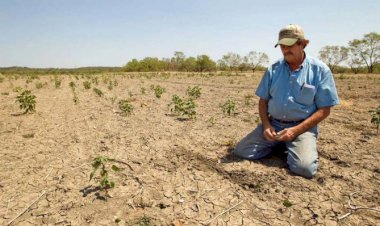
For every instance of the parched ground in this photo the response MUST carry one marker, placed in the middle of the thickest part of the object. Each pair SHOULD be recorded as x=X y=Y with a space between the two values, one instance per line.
x=178 y=171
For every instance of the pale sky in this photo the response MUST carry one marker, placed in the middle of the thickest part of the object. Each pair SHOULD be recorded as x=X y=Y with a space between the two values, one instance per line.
x=79 y=33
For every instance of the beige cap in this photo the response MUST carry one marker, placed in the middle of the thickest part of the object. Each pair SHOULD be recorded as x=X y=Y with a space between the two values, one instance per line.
x=290 y=34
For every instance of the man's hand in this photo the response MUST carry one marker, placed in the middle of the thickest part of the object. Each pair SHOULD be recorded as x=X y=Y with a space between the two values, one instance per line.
x=270 y=133
x=286 y=135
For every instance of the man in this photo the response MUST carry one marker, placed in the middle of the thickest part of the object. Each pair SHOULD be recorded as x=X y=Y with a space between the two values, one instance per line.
x=296 y=93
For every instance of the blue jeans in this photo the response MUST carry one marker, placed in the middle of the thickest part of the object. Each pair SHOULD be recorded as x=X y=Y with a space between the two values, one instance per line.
x=302 y=152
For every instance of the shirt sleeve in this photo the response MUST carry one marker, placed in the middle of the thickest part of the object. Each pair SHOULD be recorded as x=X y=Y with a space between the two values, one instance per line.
x=326 y=93
x=262 y=90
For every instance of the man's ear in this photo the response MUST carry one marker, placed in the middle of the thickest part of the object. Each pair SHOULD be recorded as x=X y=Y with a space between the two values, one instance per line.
x=305 y=43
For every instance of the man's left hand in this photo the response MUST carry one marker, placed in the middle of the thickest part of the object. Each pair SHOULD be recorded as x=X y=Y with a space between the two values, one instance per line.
x=286 y=135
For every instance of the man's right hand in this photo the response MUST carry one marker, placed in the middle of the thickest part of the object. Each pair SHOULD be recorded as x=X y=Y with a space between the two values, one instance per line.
x=270 y=133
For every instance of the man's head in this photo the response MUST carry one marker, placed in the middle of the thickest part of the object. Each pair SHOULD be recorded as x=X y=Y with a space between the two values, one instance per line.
x=292 y=42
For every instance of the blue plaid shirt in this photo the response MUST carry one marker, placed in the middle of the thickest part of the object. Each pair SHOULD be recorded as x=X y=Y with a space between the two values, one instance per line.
x=295 y=95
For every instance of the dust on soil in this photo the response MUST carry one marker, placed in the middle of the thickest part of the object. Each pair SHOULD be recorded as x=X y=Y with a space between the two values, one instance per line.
x=182 y=172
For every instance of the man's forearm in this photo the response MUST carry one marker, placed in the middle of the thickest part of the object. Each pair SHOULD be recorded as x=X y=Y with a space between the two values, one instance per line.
x=312 y=121
x=263 y=112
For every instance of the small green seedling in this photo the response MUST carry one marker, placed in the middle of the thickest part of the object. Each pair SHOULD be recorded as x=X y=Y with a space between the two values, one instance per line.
x=375 y=118
x=87 y=84
x=57 y=83
x=287 y=203
x=125 y=107
x=158 y=90
x=72 y=86
x=27 y=101
x=228 y=107
x=101 y=162
x=17 y=89
x=75 y=98
x=39 y=85
x=194 y=92
x=98 y=92
x=183 y=107
x=110 y=85
x=248 y=99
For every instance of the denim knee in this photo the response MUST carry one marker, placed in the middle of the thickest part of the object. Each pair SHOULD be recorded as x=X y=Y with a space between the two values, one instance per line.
x=243 y=151
x=304 y=168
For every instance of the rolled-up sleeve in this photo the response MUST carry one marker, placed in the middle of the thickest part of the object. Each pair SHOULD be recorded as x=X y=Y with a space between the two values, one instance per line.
x=262 y=90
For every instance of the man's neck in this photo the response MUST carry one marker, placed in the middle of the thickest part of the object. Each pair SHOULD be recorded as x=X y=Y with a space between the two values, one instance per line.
x=296 y=65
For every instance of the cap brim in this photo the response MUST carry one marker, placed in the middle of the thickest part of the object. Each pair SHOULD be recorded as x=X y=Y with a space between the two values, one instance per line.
x=287 y=42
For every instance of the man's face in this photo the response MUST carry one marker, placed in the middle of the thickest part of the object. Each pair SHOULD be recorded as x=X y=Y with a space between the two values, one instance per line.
x=293 y=54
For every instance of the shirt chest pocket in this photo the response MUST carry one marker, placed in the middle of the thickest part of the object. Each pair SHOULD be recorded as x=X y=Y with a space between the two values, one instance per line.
x=306 y=94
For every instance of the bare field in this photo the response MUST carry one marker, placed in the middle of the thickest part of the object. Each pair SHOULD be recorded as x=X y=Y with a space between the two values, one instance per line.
x=182 y=172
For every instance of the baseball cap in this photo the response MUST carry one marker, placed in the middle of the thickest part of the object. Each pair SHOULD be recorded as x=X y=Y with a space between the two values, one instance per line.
x=289 y=35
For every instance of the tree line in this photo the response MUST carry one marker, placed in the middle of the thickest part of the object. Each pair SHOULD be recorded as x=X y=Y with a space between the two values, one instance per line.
x=179 y=62
x=361 y=55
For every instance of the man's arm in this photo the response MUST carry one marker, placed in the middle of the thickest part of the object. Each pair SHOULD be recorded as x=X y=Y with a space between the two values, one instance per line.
x=291 y=133
x=269 y=132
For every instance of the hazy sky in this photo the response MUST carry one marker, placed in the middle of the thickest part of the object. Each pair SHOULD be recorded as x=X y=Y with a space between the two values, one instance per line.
x=77 y=33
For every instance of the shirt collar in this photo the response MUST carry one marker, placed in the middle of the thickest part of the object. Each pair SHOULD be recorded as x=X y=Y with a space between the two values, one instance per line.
x=304 y=62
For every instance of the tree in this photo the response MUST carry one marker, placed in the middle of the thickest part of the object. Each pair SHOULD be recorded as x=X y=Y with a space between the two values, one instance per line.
x=222 y=65
x=368 y=49
x=231 y=60
x=333 y=55
x=133 y=65
x=151 y=64
x=256 y=59
x=204 y=63
x=355 y=62
x=178 y=60
x=190 y=64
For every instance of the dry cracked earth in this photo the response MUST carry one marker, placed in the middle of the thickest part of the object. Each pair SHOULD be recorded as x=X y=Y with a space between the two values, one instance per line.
x=177 y=171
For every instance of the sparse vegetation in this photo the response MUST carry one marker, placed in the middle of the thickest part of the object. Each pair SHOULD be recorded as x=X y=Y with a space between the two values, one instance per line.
x=287 y=203
x=39 y=85
x=158 y=90
x=87 y=84
x=57 y=83
x=98 y=92
x=194 y=92
x=72 y=85
x=27 y=101
x=248 y=99
x=101 y=163
x=125 y=107
x=228 y=107
x=183 y=107
x=375 y=118
x=28 y=135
